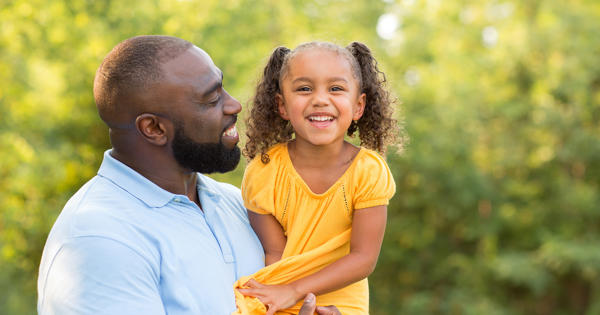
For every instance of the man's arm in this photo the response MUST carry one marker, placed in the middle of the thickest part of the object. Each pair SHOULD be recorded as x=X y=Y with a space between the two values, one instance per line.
x=95 y=275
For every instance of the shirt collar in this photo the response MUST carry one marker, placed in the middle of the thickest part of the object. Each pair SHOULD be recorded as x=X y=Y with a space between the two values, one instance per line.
x=133 y=182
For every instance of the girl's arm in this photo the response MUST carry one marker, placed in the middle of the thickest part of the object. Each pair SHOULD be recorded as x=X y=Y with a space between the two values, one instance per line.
x=271 y=235
x=368 y=227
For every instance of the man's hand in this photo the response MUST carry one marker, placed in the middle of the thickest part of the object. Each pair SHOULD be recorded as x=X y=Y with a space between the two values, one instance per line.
x=309 y=307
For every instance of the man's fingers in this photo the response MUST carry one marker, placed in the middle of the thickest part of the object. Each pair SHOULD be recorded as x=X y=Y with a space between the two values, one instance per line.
x=328 y=310
x=270 y=309
x=308 y=307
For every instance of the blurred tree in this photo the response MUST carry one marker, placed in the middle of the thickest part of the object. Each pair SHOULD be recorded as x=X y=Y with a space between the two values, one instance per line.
x=498 y=204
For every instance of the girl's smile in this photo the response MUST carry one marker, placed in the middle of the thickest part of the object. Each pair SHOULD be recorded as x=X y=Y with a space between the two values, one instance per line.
x=321 y=120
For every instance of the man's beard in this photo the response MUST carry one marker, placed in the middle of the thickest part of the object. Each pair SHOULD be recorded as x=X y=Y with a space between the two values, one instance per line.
x=204 y=158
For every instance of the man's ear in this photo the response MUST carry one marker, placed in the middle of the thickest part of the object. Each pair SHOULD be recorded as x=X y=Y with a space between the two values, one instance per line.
x=281 y=107
x=152 y=128
x=359 y=109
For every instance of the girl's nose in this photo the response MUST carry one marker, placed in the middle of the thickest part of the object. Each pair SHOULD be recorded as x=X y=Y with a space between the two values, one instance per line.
x=320 y=99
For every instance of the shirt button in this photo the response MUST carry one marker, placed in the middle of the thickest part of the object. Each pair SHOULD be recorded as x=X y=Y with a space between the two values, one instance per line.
x=177 y=200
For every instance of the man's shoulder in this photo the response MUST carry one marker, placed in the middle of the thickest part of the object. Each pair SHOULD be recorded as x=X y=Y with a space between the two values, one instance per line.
x=221 y=188
x=98 y=208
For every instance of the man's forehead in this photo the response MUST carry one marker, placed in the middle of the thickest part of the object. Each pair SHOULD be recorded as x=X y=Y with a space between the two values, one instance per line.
x=195 y=50
x=191 y=59
x=194 y=64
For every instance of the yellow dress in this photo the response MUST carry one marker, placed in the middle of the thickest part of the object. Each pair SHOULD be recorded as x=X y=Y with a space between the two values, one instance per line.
x=317 y=226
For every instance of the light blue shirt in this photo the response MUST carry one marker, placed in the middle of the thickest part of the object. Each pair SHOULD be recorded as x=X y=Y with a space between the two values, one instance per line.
x=123 y=245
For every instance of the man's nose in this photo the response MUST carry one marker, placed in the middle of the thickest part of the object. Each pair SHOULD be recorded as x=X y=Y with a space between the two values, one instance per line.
x=231 y=106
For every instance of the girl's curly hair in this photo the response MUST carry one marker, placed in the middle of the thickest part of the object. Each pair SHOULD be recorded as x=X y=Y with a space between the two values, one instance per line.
x=376 y=128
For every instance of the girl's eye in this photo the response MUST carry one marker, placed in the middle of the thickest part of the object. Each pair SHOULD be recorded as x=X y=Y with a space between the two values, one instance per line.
x=337 y=88
x=303 y=89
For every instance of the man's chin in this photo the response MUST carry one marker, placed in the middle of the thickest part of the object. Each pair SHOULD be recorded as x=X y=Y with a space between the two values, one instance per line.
x=231 y=161
x=205 y=158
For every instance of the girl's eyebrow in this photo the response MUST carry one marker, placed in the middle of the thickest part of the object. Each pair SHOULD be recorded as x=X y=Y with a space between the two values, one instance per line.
x=334 y=79
x=301 y=79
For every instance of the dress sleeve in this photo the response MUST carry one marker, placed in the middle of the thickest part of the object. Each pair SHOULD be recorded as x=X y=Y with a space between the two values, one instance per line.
x=255 y=190
x=374 y=184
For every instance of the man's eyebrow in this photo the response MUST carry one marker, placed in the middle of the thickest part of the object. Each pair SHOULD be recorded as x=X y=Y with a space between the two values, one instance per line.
x=217 y=85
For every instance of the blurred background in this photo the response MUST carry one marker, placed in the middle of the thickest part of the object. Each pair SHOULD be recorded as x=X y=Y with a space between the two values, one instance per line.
x=497 y=209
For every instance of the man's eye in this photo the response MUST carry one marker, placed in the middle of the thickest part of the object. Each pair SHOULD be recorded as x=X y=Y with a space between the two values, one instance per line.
x=214 y=102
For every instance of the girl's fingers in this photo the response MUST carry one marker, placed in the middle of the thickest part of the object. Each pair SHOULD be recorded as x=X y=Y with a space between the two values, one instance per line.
x=244 y=291
x=253 y=284
x=254 y=288
x=251 y=292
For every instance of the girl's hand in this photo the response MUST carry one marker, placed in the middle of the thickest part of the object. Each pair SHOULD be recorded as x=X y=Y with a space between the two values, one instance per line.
x=275 y=297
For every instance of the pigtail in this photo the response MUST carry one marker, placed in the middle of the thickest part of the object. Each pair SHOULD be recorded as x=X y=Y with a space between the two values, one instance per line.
x=376 y=128
x=265 y=127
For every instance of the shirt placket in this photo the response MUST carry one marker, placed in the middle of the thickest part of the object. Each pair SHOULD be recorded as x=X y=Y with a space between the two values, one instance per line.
x=210 y=206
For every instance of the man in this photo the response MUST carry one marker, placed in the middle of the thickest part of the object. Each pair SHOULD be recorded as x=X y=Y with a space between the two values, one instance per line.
x=149 y=234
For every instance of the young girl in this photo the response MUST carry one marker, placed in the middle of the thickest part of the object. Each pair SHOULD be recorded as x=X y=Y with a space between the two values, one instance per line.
x=317 y=203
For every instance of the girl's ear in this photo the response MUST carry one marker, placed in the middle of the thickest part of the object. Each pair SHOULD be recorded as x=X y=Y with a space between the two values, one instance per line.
x=281 y=107
x=359 y=109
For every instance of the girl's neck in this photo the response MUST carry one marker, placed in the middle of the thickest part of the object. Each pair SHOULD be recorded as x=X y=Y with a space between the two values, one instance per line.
x=311 y=154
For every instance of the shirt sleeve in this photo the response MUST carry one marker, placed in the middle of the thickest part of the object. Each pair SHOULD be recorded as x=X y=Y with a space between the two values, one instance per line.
x=375 y=184
x=96 y=275
x=255 y=187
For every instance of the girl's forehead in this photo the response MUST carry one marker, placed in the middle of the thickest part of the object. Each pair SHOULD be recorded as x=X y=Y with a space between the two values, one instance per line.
x=321 y=61
x=316 y=54
x=316 y=58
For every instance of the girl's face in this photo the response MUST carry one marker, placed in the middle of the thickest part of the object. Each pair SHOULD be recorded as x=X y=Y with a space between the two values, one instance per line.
x=320 y=97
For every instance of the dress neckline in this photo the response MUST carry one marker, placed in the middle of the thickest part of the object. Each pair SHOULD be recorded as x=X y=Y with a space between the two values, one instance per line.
x=305 y=186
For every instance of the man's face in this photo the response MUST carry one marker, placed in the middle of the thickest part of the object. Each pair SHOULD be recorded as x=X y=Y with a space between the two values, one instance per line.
x=202 y=112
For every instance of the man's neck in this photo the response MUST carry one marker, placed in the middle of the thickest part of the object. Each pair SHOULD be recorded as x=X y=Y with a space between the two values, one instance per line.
x=164 y=172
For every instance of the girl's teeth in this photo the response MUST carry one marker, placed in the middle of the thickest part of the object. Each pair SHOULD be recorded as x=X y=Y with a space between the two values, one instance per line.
x=320 y=118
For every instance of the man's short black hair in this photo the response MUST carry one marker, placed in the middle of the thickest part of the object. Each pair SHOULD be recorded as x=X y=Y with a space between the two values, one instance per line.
x=129 y=68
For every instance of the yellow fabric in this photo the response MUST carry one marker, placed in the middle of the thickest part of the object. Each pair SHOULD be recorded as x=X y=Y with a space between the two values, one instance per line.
x=317 y=226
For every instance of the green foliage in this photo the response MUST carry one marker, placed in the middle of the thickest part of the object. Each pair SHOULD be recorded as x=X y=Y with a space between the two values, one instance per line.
x=498 y=202
x=497 y=208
